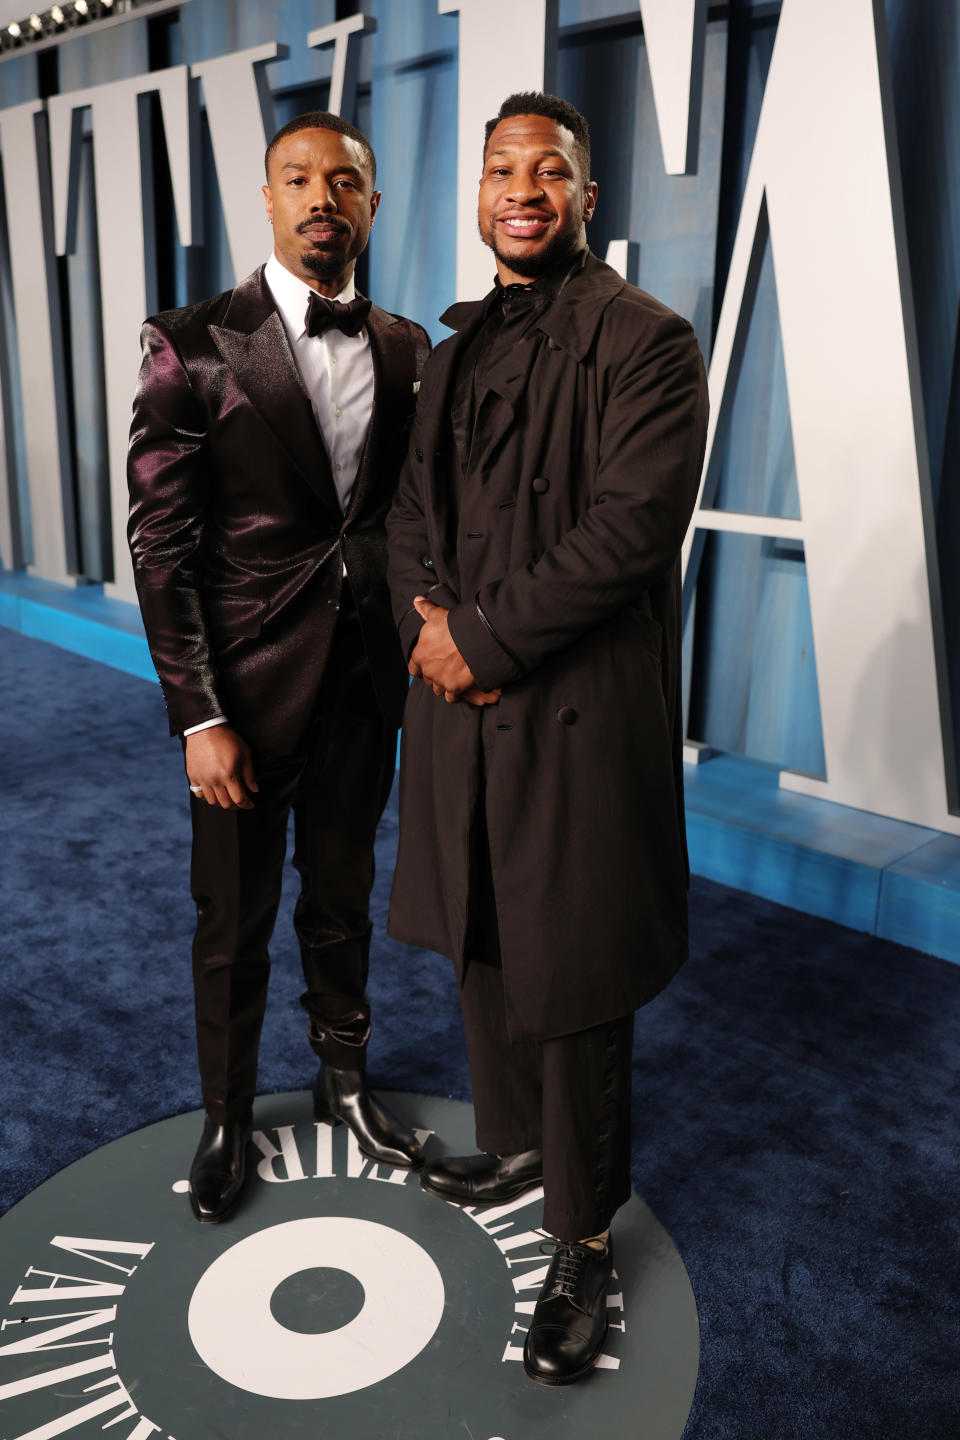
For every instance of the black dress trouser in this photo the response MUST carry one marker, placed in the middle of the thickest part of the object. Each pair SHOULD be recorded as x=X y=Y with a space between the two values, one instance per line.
x=337 y=784
x=568 y=1096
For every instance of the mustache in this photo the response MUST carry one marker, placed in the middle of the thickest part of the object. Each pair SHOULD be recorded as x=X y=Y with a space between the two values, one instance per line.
x=327 y=220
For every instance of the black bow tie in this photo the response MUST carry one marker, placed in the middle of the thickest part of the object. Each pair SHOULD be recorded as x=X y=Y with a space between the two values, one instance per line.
x=324 y=314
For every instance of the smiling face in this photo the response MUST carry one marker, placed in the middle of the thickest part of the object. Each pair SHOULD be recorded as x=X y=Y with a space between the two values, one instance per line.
x=534 y=203
x=321 y=201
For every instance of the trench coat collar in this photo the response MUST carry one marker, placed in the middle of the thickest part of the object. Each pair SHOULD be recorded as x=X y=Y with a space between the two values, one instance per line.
x=253 y=342
x=571 y=321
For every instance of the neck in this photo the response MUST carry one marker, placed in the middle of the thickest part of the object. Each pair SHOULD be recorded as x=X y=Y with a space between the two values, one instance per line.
x=327 y=285
x=506 y=276
x=557 y=265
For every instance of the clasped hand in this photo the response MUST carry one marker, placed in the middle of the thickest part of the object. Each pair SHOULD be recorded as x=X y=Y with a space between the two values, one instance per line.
x=436 y=660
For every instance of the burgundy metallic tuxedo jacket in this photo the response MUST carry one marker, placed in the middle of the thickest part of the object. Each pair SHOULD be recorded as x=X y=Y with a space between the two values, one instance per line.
x=236 y=531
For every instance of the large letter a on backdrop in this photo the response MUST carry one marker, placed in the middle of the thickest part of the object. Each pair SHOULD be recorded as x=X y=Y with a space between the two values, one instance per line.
x=824 y=178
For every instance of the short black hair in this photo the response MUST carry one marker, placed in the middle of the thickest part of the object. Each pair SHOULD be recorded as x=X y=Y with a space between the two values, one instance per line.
x=322 y=120
x=535 y=102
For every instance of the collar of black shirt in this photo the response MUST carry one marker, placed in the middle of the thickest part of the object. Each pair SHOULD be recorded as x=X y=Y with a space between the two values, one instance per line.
x=549 y=284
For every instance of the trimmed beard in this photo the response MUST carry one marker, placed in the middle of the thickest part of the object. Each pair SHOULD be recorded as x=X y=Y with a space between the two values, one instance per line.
x=324 y=264
x=560 y=248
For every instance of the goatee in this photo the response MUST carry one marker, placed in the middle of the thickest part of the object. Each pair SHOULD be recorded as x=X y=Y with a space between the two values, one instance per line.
x=322 y=263
x=560 y=248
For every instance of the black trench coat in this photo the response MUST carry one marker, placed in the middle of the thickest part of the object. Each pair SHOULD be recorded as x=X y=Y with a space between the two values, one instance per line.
x=590 y=475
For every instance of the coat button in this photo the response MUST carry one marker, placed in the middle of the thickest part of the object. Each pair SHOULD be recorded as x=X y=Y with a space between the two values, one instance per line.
x=540 y=485
x=567 y=715
x=427 y=562
x=419 y=454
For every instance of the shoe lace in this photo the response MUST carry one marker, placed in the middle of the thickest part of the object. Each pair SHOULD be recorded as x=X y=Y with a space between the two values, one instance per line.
x=569 y=1257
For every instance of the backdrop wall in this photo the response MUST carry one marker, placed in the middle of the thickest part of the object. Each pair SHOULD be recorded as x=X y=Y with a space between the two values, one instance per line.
x=752 y=661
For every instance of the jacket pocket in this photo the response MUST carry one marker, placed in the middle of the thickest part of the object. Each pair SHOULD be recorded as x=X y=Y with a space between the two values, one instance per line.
x=241 y=615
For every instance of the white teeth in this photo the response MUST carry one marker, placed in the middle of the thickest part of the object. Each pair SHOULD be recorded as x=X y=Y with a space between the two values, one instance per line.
x=523 y=224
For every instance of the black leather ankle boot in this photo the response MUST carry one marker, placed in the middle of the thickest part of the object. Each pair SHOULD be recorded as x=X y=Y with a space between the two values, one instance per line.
x=219 y=1169
x=342 y=1095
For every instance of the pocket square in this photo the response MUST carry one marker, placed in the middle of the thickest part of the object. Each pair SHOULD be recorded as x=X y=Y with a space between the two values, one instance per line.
x=416 y=386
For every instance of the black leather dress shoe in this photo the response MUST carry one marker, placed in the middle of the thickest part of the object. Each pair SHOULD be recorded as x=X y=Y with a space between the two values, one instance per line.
x=483 y=1179
x=570 y=1320
x=218 y=1170
x=342 y=1095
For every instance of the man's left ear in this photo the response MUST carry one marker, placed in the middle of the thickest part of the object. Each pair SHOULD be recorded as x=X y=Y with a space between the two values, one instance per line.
x=374 y=205
x=589 y=199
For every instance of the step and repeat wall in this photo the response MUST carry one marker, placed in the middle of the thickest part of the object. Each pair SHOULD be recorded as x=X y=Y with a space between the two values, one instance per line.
x=782 y=172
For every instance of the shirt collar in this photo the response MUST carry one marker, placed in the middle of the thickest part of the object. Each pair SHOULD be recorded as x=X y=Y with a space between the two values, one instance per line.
x=549 y=284
x=291 y=295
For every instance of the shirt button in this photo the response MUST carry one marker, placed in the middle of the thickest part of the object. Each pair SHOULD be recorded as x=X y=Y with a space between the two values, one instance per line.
x=338 y=412
x=333 y=359
x=337 y=466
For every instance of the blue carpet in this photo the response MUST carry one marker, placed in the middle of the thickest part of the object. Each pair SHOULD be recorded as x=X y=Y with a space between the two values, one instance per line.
x=795 y=1090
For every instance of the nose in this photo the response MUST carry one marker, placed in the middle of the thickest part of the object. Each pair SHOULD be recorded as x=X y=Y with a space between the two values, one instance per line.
x=525 y=188
x=322 y=200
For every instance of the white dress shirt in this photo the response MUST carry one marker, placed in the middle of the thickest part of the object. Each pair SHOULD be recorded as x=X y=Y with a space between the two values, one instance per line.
x=337 y=374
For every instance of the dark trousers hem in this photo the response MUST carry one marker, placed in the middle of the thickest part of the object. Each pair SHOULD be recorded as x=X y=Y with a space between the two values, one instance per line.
x=568 y=1096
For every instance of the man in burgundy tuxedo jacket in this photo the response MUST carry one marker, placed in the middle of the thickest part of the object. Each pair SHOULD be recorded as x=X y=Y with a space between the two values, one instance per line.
x=268 y=430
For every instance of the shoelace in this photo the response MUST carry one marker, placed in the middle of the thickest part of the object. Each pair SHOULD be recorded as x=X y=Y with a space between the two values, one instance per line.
x=569 y=1257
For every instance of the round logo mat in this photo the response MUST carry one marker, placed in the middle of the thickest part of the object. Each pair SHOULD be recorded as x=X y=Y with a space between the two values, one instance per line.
x=337 y=1300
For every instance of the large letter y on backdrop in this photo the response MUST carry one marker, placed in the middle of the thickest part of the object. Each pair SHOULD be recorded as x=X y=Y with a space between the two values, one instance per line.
x=824 y=183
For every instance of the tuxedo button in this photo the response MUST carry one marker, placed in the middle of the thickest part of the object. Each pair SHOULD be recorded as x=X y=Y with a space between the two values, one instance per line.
x=540 y=485
x=427 y=562
x=567 y=715
x=419 y=454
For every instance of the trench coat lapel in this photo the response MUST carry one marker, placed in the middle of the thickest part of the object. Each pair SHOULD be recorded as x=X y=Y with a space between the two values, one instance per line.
x=501 y=387
x=572 y=321
x=433 y=415
x=253 y=342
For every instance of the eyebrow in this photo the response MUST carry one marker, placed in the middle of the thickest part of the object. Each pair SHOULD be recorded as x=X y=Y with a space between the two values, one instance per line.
x=337 y=169
x=549 y=153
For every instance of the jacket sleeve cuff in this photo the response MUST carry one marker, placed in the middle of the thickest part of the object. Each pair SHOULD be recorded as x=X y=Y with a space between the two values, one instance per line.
x=205 y=725
x=410 y=625
x=491 y=664
x=409 y=629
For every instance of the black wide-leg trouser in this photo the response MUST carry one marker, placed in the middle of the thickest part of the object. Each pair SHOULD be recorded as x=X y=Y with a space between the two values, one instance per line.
x=568 y=1096
x=337 y=785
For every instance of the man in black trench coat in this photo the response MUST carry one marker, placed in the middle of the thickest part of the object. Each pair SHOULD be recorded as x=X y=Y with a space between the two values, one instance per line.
x=534 y=565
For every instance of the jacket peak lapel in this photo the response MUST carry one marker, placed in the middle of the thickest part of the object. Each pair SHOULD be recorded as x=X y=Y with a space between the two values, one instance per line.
x=253 y=343
x=394 y=373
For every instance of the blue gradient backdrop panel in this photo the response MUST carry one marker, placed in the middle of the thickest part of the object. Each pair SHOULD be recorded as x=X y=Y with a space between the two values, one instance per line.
x=751 y=669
